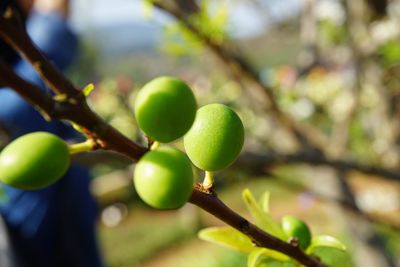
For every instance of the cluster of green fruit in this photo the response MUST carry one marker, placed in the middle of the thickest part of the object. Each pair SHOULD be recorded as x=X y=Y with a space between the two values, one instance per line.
x=166 y=110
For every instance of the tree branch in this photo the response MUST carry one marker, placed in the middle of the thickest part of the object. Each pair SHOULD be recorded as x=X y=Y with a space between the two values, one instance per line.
x=241 y=69
x=14 y=33
x=213 y=205
x=33 y=94
x=258 y=162
x=72 y=105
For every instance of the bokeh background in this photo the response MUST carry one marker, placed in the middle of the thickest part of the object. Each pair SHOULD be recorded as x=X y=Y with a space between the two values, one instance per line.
x=326 y=147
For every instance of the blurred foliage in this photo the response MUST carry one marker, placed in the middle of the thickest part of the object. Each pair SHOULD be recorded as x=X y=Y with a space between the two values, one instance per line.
x=390 y=52
x=145 y=235
x=210 y=20
x=331 y=33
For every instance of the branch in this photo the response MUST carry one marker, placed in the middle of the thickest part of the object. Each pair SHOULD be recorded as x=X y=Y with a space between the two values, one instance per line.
x=347 y=205
x=213 y=205
x=14 y=33
x=240 y=68
x=72 y=106
x=258 y=162
x=33 y=94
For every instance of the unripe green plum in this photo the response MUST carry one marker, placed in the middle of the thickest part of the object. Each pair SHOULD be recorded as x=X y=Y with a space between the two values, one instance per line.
x=163 y=178
x=216 y=137
x=294 y=227
x=34 y=161
x=165 y=109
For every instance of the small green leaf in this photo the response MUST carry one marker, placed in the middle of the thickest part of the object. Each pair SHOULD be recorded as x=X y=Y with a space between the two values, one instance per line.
x=255 y=258
x=228 y=237
x=325 y=241
x=262 y=219
x=88 y=89
x=264 y=201
x=260 y=255
x=333 y=257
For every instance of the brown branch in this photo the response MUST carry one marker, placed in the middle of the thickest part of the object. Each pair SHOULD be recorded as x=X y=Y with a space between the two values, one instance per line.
x=73 y=106
x=213 y=205
x=259 y=162
x=78 y=112
x=17 y=37
x=347 y=205
x=240 y=68
x=33 y=94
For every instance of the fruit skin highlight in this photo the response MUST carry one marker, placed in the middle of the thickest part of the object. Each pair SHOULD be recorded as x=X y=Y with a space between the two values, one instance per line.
x=216 y=137
x=165 y=109
x=34 y=161
x=294 y=227
x=163 y=178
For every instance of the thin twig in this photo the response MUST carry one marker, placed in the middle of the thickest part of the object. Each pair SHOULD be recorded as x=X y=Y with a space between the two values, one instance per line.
x=240 y=68
x=259 y=162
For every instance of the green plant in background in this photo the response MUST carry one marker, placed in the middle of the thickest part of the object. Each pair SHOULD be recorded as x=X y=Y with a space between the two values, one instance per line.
x=390 y=52
x=291 y=229
x=211 y=18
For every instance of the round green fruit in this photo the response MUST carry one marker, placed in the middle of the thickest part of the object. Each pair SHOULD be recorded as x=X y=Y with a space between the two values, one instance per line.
x=163 y=178
x=215 y=139
x=34 y=161
x=294 y=227
x=165 y=109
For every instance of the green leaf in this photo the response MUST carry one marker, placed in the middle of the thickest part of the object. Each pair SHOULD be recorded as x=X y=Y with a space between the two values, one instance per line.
x=228 y=237
x=325 y=241
x=88 y=89
x=260 y=255
x=262 y=219
x=390 y=52
x=333 y=257
x=264 y=201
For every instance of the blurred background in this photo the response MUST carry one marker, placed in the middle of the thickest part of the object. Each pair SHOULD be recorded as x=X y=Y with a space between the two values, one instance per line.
x=317 y=85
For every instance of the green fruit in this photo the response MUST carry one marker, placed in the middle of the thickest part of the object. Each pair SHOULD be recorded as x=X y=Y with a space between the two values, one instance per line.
x=216 y=137
x=163 y=178
x=165 y=109
x=34 y=161
x=294 y=227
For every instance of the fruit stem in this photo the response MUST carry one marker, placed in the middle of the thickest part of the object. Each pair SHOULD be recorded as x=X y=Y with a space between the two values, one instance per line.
x=86 y=146
x=155 y=145
x=208 y=179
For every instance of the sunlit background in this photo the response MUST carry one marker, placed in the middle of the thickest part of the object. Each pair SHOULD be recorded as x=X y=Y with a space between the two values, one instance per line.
x=333 y=67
